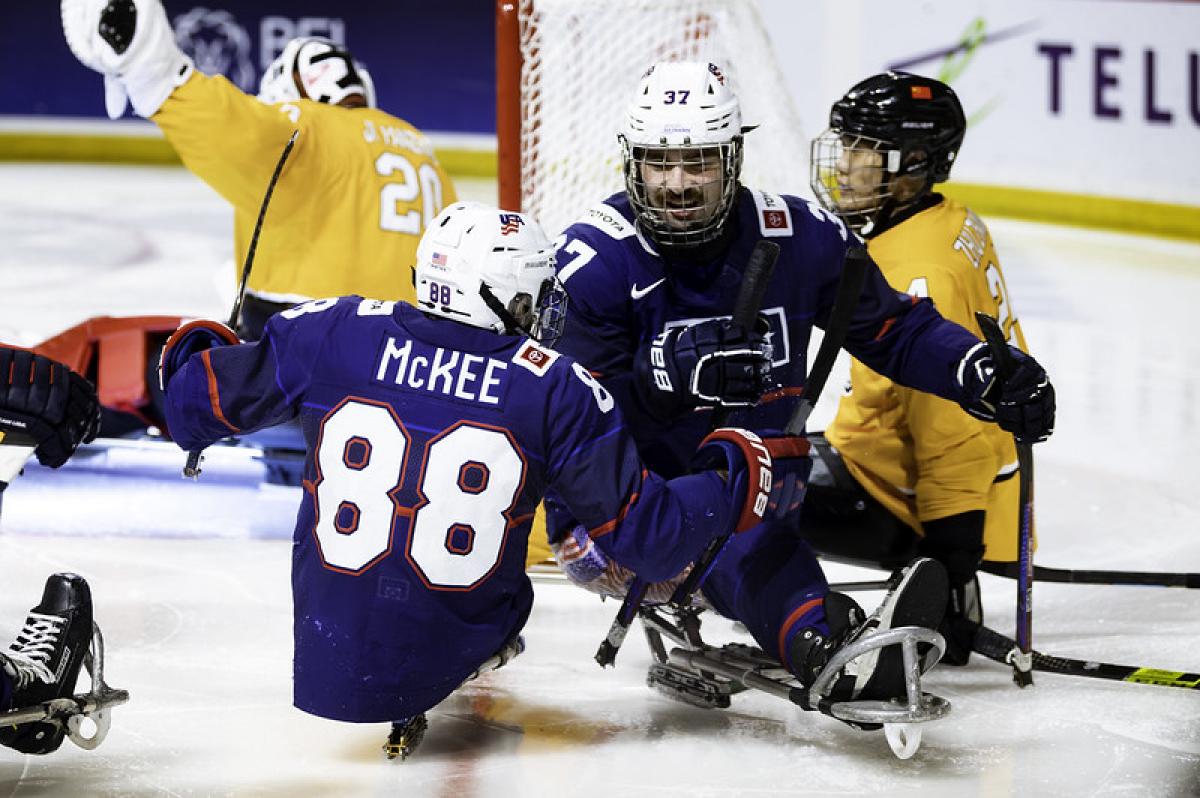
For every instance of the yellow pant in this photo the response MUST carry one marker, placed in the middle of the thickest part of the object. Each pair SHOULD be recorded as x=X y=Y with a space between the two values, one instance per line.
x=539 y=546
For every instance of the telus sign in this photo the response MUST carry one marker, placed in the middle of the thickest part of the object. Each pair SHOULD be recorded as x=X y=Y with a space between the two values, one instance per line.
x=1107 y=67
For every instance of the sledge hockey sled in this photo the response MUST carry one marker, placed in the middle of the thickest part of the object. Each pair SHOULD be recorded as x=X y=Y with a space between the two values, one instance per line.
x=697 y=673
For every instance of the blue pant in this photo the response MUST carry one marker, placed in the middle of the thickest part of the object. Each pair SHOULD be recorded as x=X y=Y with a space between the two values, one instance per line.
x=769 y=579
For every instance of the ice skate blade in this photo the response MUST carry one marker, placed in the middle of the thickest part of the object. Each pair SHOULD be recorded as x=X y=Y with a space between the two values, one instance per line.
x=903 y=738
x=72 y=710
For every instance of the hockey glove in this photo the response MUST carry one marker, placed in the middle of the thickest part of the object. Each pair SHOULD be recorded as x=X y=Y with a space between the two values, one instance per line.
x=753 y=466
x=132 y=44
x=711 y=364
x=192 y=337
x=1022 y=403
x=48 y=403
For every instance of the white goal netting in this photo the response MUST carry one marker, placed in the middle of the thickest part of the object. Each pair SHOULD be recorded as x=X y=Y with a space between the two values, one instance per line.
x=581 y=60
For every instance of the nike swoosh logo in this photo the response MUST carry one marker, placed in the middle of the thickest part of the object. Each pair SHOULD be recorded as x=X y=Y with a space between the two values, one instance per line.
x=638 y=293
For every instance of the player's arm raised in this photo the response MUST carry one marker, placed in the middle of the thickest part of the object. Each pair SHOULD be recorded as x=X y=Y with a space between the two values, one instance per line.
x=226 y=137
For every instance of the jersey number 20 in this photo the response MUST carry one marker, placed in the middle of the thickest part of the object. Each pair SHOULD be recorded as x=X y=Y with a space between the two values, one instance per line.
x=413 y=182
x=470 y=478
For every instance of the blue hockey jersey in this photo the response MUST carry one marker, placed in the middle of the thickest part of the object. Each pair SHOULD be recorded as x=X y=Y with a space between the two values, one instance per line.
x=623 y=293
x=429 y=444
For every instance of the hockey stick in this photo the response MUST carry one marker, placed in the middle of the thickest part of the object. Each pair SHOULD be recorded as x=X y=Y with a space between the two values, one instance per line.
x=15 y=449
x=1009 y=570
x=1080 y=577
x=192 y=467
x=854 y=270
x=1005 y=366
x=999 y=648
x=755 y=278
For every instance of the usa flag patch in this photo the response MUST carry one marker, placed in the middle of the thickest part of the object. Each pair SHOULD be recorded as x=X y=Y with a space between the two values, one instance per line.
x=510 y=223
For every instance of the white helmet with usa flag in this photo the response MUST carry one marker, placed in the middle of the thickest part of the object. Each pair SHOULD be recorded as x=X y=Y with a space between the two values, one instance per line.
x=492 y=269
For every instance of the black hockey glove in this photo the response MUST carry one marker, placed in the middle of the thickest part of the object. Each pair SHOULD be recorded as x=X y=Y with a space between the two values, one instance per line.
x=190 y=338
x=45 y=401
x=711 y=364
x=763 y=473
x=1022 y=403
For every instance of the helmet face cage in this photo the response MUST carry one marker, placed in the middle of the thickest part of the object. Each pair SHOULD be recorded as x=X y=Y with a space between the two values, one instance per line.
x=916 y=126
x=550 y=313
x=682 y=195
x=851 y=175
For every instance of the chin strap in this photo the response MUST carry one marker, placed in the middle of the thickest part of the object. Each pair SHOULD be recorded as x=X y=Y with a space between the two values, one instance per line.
x=511 y=325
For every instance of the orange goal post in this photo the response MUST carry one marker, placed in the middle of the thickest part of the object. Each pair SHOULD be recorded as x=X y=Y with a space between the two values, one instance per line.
x=566 y=69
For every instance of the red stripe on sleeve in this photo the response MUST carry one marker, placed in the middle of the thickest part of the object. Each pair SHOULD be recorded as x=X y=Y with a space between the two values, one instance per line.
x=214 y=394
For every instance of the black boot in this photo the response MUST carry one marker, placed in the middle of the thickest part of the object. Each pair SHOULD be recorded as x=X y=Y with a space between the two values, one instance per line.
x=45 y=659
x=810 y=649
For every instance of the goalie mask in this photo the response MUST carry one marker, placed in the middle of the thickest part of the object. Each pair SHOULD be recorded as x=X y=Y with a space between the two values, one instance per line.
x=682 y=152
x=890 y=140
x=328 y=73
x=492 y=269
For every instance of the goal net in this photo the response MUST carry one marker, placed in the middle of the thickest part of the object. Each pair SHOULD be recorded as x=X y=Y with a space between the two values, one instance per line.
x=568 y=68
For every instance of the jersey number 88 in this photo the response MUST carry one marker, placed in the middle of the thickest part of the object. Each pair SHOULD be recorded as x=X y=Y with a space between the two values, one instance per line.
x=470 y=479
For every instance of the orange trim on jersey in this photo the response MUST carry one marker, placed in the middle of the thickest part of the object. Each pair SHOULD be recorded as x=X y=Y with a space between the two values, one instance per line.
x=780 y=393
x=366 y=457
x=609 y=526
x=214 y=394
x=520 y=519
x=796 y=615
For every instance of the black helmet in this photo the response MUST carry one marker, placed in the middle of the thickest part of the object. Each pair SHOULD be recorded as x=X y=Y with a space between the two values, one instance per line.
x=915 y=124
x=908 y=112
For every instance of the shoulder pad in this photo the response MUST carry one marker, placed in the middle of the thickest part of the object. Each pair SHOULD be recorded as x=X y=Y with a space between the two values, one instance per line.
x=534 y=358
x=773 y=214
x=608 y=220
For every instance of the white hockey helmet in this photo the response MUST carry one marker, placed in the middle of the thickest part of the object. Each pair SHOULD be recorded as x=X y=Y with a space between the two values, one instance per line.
x=328 y=72
x=492 y=269
x=683 y=117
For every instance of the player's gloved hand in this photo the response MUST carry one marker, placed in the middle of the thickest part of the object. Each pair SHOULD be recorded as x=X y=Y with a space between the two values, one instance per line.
x=711 y=364
x=192 y=337
x=46 y=402
x=1022 y=403
x=132 y=44
x=752 y=464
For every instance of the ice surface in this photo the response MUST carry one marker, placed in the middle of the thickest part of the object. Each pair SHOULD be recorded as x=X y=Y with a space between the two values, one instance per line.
x=191 y=580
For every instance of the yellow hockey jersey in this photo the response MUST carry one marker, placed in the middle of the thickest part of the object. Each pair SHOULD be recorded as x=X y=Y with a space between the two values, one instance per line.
x=921 y=456
x=351 y=203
